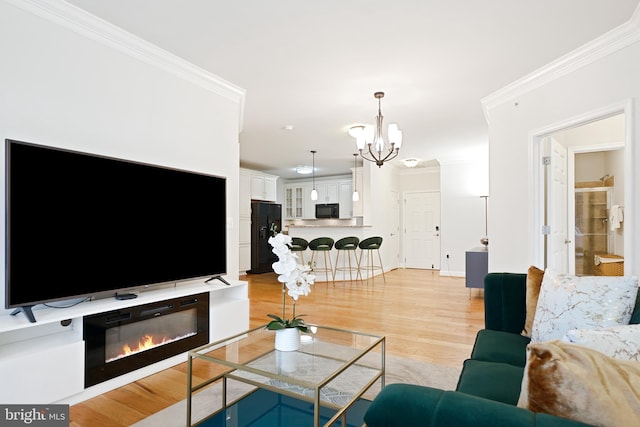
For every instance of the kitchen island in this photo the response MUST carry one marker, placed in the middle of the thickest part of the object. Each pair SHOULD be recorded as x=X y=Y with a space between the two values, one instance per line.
x=336 y=229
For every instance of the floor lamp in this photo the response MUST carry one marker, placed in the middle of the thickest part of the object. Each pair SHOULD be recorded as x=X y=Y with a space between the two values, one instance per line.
x=485 y=240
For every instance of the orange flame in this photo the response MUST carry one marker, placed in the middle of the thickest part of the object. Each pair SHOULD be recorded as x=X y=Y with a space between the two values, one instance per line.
x=145 y=343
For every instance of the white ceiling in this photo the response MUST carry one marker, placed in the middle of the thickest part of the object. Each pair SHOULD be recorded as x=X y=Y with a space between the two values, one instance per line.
x=314 y=65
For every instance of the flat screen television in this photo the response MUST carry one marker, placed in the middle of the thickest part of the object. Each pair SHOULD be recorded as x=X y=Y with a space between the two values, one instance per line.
x=80 y=225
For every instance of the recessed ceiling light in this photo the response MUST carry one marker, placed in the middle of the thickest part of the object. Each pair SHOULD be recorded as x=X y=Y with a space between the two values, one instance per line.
x=304 y=170
x=287 y=127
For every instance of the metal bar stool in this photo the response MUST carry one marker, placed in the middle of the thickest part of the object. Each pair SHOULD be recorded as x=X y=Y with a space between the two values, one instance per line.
x=324 y=245
x=299 y=245
x=349 y=246
x=369 y=245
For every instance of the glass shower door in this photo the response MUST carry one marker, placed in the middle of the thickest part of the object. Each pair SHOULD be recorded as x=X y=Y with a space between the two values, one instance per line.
x=592 y=234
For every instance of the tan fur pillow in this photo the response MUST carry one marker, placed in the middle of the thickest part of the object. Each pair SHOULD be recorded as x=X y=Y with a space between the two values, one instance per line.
x=582 y=384
x=534 y=282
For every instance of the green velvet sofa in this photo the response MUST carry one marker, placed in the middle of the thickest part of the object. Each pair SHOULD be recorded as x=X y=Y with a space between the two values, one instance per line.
x=489 y=384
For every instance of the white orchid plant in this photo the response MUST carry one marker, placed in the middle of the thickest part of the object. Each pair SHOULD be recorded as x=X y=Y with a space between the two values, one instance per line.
x=296 y=280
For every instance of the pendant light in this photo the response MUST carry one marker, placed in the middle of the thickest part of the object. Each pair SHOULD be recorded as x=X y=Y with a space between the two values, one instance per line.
x=356 y=195
x=314 y=192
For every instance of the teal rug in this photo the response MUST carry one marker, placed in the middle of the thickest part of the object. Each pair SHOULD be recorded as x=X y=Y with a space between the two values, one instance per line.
x=399 y=370
x=264 y=408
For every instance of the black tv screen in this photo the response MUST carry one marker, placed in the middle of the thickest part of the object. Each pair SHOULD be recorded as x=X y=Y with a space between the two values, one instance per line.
x=80 y=225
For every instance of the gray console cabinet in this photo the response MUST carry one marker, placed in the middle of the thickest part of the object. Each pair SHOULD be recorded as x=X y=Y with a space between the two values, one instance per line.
x=476 y=267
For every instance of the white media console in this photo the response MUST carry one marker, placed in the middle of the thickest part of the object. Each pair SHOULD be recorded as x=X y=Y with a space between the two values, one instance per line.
x=43 y=362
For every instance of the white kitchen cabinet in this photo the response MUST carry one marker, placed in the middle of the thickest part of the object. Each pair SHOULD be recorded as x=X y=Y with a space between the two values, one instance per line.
x=263 y=187
x=345 y=198
x=309 y=210
x=244 y=221
x=297 y=197
x=294 y=204
x=254 y=185
x=244 y=245
x=327 y=192
x=245 y=194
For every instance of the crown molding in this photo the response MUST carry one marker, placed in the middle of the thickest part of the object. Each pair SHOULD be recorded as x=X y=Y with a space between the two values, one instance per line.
x=610 y=42
x=419 y=170
x=97 y=29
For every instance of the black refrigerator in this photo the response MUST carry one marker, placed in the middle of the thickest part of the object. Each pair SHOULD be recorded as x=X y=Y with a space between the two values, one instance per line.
x=265 y=217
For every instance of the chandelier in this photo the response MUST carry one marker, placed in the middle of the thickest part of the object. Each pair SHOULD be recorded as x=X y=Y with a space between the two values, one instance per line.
x=371 y=143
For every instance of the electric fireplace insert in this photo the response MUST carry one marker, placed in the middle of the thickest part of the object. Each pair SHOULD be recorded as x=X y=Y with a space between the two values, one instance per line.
x=121 y=341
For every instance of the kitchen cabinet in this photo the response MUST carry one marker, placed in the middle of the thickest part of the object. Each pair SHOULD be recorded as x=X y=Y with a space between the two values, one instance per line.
x=345 y=198
x=253 y=185
x=327 y=192
x=297 y=197
x=294 y=204
x=263 y=187
x=244 y=221
x=337 y=191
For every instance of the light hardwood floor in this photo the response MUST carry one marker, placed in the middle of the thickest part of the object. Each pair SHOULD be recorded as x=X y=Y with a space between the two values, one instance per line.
x=422 y=315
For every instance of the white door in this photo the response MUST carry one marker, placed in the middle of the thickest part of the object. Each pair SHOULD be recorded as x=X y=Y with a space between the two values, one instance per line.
x=557 y=247
x=422 y=230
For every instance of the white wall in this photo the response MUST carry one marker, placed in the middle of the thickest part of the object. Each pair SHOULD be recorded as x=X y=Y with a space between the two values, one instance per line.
x=588 y=81
x=615 y=162
x=69 y=82
x=606 y=131
x=462 y=207
x=590 y=166
x=460 y=184
x=420 y=179
x=378 y=185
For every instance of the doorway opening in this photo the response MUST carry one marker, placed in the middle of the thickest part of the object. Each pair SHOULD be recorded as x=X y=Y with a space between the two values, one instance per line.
x=579 y=192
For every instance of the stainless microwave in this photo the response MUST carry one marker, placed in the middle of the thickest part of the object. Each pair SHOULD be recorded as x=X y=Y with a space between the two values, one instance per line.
x=327 y=210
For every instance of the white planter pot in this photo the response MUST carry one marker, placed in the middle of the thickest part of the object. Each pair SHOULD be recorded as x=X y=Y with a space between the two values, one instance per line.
x=287 y=339
x=287 y=361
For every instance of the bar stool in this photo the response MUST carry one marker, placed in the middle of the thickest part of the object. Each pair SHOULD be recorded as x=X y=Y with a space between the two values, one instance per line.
x=324 y=245
x=348 y=244
x=369 y=245
x=300 y=245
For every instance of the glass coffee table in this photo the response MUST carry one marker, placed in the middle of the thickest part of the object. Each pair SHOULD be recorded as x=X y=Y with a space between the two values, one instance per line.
x=332 y=370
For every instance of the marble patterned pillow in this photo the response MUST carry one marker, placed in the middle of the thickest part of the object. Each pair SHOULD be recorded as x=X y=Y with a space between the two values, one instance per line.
x=620 y=342
x=569 y=302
